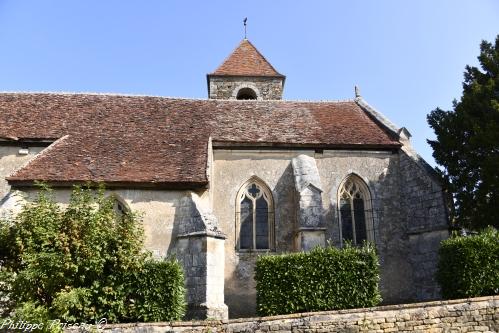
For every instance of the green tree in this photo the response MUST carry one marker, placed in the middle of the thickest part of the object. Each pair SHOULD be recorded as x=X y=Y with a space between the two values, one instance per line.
x=467 y=143
x=83 y=262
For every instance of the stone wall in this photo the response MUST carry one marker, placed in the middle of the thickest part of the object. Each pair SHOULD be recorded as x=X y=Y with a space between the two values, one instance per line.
x=408 y=213
x=424 y=210
x=466 y=315
x=231 y=169
x=227 y=87
x=380 y=170
x=10 y=161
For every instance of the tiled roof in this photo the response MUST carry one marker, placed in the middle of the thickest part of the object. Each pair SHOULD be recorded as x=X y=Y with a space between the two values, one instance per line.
x=163 y=142
x=246 y=60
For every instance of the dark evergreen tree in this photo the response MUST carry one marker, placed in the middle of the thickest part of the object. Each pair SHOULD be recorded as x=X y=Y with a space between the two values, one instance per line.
x=467 y=143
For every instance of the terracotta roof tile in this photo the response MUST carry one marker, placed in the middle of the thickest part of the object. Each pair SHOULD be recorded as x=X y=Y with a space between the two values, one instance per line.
x=156 y=141
x=246 y=60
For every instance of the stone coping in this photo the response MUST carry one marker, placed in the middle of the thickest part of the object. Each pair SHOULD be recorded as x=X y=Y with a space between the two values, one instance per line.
x=204 y=233
x=208 y=323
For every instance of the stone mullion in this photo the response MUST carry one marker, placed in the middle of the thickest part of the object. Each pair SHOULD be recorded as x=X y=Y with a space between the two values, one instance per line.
x=253 y=200
x=354 y=236
x=270 y=216
x=340 y=218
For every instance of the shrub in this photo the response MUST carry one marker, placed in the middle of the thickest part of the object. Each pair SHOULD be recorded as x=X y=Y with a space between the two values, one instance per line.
x=469 y=266
x=35 y=316
x=159 y=292
x=83 y=262
x=322 y=279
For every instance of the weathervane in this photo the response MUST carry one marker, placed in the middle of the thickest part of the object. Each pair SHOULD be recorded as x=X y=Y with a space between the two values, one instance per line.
x=245 y=19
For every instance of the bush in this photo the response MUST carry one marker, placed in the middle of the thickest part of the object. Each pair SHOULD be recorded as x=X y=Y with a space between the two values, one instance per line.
x=36 y=316
x=323 y=279
x=84 y=262
x=469 y=266
x=159 y=291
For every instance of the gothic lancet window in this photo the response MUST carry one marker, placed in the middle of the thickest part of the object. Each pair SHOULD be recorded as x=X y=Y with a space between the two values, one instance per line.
x=254 y=217
x=355 y=211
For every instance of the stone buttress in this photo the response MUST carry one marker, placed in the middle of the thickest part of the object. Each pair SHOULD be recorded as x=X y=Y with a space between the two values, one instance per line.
x=200 y=249
x=311 y=226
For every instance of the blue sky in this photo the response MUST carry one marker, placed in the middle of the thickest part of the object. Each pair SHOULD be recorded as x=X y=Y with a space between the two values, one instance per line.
x=407 y=57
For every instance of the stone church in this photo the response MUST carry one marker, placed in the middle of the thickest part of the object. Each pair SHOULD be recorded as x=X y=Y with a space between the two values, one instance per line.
x=222 y=180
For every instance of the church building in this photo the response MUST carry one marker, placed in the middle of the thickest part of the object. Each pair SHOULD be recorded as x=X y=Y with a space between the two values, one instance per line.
x=222 y=180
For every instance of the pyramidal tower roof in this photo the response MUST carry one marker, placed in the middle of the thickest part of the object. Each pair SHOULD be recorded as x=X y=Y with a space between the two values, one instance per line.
x=246 y=60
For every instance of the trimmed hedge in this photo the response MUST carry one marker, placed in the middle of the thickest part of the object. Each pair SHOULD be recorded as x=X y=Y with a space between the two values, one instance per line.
x=159 y=291
x=322 y=279
x=469 y=266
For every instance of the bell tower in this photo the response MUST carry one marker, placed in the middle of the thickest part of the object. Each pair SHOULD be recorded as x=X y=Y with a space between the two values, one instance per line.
x=245 y=74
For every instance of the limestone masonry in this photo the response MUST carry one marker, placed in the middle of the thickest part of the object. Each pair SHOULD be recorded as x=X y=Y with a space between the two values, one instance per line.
x=466 y=315
x=244 y=173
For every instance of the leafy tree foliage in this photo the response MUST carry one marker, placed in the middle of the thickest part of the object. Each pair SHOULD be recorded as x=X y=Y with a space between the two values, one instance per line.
x=467 y=143
x=84 y=262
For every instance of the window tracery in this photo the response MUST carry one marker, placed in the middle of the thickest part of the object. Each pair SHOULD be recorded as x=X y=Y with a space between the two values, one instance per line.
x=355 y=211
x=255 y=217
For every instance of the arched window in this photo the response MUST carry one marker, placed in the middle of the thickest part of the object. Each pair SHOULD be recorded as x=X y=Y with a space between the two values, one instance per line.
x=254 y=216
x=246 y=93
x=120 y=208
x=355 y=211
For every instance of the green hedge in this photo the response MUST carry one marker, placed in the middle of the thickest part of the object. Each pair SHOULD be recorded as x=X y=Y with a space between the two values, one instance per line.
x=323 y=279
x=159 y=291
x=469 y=266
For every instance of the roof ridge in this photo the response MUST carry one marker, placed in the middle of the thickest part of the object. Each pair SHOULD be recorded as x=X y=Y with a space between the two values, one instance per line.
x=72 y=93
x=228 y=56
x=261 y=55
x=90 y=93
x=286 y=100
x=378 y=116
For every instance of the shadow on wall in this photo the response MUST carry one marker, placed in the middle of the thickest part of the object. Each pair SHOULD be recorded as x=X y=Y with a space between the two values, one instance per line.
x=185 y=220
x=423 y=203
x=240 y=286
x=190 y=217
x=177 y=221
x=390 y=230
x=183 y=223
x=391 y=238
x=409 y=223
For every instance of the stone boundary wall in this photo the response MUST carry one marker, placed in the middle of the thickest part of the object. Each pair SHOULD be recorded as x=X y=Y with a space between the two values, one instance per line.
x=463 y=315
